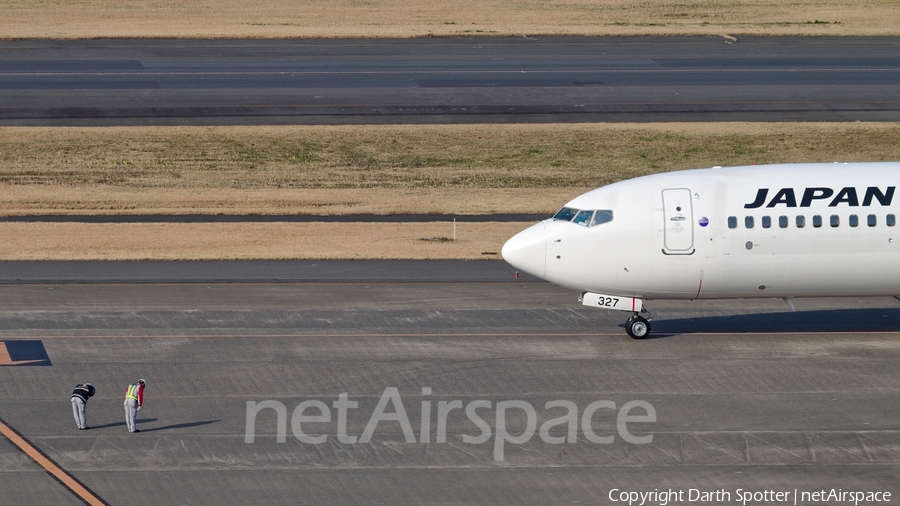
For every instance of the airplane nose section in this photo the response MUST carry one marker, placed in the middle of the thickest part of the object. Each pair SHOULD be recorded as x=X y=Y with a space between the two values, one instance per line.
x=527 y=250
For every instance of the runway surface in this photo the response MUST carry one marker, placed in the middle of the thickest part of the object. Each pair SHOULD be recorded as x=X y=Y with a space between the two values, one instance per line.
x=446 y=80
x=747 y=395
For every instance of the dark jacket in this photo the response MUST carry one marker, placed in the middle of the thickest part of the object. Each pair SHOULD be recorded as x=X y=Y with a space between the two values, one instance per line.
x=84 y=392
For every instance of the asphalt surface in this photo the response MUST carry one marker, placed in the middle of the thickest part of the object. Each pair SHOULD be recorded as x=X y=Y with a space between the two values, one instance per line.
x=747 y=394
x=269 y=218
x=445 y=80
x=256 y=271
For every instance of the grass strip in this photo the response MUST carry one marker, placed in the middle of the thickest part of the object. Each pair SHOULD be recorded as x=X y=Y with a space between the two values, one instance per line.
x=448 y=169
x=415 y=18
x=470 y=169
x=253 y=241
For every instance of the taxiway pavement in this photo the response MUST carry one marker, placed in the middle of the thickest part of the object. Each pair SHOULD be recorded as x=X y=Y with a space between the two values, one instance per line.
x=747 y=394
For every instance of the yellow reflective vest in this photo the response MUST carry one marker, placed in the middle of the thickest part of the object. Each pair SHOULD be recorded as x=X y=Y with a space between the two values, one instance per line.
x=132 y=392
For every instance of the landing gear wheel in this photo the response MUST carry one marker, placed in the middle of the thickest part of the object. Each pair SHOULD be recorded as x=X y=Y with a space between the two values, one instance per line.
x=637 y=327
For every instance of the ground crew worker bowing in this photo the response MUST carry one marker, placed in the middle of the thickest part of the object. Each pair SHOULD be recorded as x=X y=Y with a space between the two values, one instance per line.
x=80 y=396
x=134 y=398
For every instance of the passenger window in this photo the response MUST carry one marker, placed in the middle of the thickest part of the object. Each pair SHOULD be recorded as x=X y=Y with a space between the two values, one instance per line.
x=817 y=221
x=835 y=220
x=565 y=214
x=766 y=222
x=801 y=221
x=583 y=218
x=783 y=221
x=601 y=217
x=854 y=220
x=890 y=220
x=872 y=220
x=748 y=221
x=732 y=222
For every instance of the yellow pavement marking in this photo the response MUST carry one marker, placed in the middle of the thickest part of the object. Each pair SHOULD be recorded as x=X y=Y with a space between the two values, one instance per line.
x=57 y=472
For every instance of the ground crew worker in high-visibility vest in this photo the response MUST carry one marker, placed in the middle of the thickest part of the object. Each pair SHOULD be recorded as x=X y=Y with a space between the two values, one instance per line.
x=80 y=396
x=134 y=398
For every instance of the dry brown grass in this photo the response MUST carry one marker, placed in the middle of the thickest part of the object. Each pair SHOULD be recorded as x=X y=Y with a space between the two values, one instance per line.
x=85 y=199
x=459 y=169
x=468 y=169
x=417 y=18
x=177 y=241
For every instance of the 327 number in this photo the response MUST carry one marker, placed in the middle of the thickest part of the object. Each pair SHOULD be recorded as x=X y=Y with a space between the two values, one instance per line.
x=608 y=301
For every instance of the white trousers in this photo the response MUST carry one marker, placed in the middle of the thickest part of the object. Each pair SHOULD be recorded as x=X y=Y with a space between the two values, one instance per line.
x=80 y=412
x=130 y=413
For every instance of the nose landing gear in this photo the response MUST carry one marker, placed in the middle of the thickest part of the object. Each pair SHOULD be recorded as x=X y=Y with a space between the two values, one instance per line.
x=637 y=326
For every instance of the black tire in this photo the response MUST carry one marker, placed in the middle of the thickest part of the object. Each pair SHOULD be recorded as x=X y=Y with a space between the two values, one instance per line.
x=637 y=327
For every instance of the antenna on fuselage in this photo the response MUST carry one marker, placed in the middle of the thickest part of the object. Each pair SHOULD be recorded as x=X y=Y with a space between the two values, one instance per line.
x=790 y=302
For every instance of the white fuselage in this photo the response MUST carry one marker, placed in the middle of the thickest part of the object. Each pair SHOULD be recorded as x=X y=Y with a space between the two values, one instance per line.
x=728 y=233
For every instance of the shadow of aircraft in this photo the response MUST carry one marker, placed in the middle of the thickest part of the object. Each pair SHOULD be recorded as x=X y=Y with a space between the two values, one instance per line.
x=819 y=321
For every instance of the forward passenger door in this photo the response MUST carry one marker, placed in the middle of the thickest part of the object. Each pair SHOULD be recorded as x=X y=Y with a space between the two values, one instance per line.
x=678 y=217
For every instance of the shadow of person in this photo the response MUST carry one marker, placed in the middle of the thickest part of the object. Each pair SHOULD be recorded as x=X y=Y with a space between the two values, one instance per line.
x=181 y=425
x=117 y=424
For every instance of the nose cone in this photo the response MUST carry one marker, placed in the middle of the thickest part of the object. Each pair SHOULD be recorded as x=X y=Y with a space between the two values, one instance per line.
x=527 y=250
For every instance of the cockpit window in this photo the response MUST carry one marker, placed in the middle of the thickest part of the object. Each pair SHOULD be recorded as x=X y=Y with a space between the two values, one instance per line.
x=565 y=214
x=583 y=218
x=601 y=216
